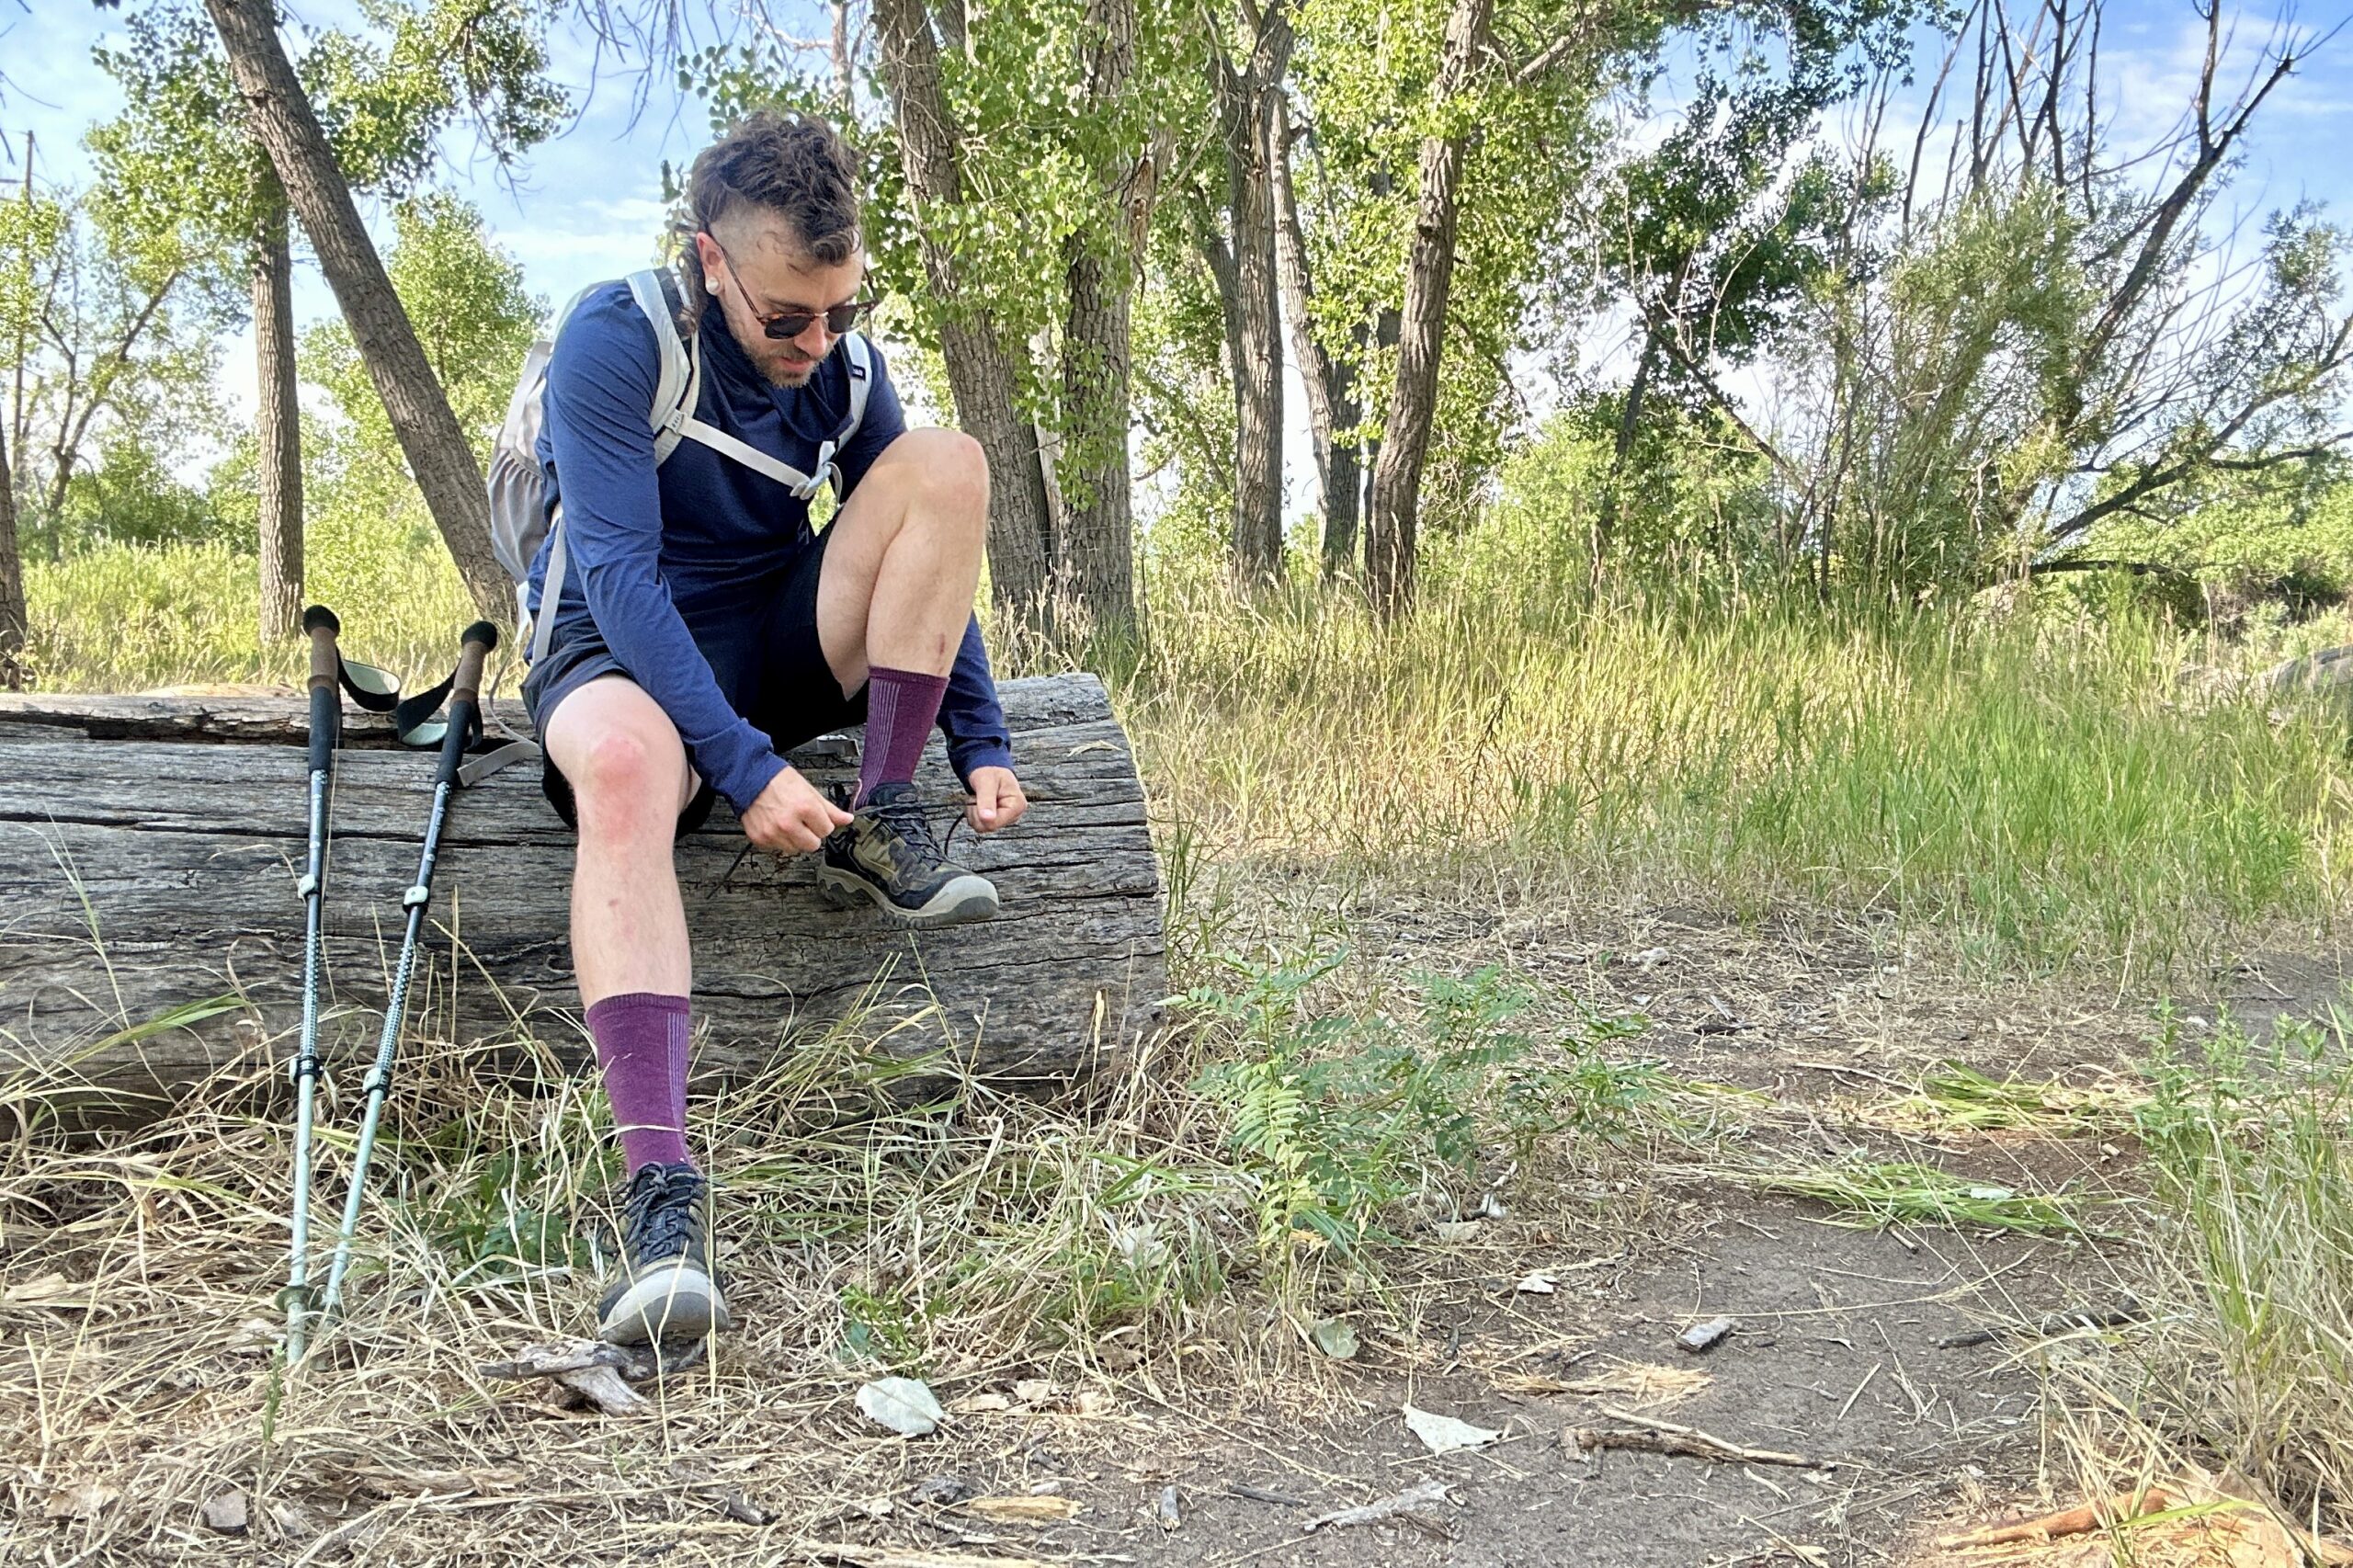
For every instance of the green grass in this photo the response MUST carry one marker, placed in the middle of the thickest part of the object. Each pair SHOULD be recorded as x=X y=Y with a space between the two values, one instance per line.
x=1883 y=1192
x=130 y=618
x=2247 y=1361
x=2050 y=795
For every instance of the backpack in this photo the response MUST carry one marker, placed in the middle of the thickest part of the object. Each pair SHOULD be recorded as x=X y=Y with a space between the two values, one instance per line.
x=519 y=519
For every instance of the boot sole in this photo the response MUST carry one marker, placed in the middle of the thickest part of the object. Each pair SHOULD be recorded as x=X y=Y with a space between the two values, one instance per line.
x=964 y=899
x=667 y=1305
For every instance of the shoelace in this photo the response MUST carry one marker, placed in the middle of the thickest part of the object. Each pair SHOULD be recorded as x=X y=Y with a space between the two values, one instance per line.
x=905 y=815
x=660 y=1212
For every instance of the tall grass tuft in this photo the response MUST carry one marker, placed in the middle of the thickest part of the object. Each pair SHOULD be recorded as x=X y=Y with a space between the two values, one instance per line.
x=2248 y=1363
x=131 y=617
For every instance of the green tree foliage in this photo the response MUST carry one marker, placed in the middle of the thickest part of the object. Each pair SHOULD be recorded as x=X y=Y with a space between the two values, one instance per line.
x=476 y=320
x=472 y=313
x=109 y=345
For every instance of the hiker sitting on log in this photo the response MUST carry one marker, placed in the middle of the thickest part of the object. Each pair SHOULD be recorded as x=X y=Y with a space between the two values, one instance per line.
x=691 y=628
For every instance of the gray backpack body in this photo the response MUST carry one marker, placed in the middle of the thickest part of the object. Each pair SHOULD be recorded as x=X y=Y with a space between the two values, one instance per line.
x=519 y=519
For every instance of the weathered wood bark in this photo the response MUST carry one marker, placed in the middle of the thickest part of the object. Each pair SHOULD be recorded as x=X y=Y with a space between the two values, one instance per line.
x=1246 y=93
x=13 y=626
x=186 y=855
x=438 y=454
x=1330 y=381
x=1392 y=545
x=278 y=426
x=980 y=373
x=1097 y=564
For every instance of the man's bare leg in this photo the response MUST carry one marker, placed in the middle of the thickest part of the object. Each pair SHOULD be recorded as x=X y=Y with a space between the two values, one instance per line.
x=901 y=568
x=904 y=558
x=629 y=777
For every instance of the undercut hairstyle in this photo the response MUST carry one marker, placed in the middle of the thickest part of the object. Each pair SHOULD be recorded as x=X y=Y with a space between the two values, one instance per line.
x=794 y=165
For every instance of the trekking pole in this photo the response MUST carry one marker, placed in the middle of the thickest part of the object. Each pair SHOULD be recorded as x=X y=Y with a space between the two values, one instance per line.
x=464 y=724
x=327 y=730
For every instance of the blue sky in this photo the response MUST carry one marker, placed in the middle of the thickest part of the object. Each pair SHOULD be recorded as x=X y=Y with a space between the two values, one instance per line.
x=587 y=205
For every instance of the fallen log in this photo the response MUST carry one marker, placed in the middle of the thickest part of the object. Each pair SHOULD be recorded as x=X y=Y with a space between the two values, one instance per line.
x=149 y=847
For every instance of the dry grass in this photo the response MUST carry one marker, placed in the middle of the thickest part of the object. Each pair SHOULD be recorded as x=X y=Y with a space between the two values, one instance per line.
x=1112 y=1248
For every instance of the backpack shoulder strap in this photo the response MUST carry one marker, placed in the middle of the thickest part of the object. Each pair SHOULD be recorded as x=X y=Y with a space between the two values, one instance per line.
x=861 y=382
x=678 y=380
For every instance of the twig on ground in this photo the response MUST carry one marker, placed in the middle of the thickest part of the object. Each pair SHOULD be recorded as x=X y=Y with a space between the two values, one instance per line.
x=1429 y=1492
x=1666 y=1437
x=596 y=1373
x=2079 y=1520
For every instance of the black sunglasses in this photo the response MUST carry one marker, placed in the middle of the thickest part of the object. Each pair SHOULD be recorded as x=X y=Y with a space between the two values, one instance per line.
x=787 y=324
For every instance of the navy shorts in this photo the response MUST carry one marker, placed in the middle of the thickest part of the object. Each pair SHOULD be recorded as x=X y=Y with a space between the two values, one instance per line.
x=768 y=661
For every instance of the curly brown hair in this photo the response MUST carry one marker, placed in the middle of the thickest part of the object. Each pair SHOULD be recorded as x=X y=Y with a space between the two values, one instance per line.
x=795 y=166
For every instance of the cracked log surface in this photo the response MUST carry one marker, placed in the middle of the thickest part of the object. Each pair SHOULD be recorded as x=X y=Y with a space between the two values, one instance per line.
x=183 y=857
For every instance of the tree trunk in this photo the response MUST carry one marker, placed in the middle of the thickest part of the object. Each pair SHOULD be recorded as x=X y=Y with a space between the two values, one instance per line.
x=1384 y=341
x=1246 y=99
x=1628 y=420
x=980 y=372
x=277 y=428
x=1332 y=410
x=1429 y=273
x=438 y=453
x=15 y=626
x=1097 y=568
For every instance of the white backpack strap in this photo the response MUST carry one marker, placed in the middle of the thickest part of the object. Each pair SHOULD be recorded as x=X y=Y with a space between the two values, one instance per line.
x=750 y=457
x=679 y=381
x=551 y=588
x=861 y=380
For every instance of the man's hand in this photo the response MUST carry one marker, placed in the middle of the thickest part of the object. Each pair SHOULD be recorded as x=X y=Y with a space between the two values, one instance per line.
x=790 y=817
x=998 y=800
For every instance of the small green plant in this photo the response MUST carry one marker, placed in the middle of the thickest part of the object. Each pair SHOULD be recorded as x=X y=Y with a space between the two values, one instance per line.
x=501 y=1223
x=1339 y=1116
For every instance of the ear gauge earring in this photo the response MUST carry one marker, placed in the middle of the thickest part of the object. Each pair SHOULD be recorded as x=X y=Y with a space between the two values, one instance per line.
x=711 y=285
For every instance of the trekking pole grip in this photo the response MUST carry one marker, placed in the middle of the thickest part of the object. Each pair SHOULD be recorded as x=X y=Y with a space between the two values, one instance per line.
x=326 y=663
x=326 y=667
x=465 y=687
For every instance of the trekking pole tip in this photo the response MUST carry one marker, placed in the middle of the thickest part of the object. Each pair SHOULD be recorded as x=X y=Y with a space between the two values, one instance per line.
x=319 y=618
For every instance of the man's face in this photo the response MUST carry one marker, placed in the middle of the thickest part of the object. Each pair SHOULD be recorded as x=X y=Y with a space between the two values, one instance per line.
x=762 y=270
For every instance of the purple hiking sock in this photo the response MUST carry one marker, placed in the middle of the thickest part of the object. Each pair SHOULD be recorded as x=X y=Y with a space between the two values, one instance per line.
x=901 y=708
x=641 y=1045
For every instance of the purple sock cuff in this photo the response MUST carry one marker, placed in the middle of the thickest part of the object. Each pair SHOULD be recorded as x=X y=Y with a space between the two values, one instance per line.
x=630 y=1002
x=642 y=1038
x=901 y=708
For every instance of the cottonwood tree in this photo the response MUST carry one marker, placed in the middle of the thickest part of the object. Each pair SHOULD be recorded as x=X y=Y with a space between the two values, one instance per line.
x=117 y=330
x=1713 y=239
x=183 y=159
x=1016 y=234
x=1515 y=132
x=489 y=49
x=1249 y=53
x=31 y=232
x=475 y=320
x=2060 y=325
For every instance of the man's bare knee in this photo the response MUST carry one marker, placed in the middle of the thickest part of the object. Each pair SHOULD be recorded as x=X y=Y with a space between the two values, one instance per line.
x=627 y=784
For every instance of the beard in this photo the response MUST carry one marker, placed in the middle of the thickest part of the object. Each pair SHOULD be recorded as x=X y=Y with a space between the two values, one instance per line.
x=789 y=368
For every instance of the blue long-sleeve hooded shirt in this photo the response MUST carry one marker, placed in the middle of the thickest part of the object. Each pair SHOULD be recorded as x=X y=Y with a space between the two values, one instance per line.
x=660 y=556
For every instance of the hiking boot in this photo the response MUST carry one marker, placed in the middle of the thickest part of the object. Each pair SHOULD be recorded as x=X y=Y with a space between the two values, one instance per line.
x=889 y=856
x=666 y=1291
